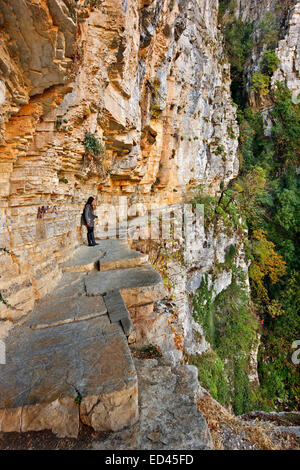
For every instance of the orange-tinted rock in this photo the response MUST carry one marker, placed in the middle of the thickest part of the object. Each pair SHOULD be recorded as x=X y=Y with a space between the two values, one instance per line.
x=160 y=105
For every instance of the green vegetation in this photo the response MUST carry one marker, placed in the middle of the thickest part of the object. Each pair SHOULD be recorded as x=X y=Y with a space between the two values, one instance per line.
x=261 y=81
x=94 y=158
x=78 y=399
x=63 y=180
x=226 y=5
x=261 y=84
x=156 y=97
x=230 y=326
x=279 y=378
x=211 y=375
x=268 y=30
x=220 y=150
x=231 y=132
x=147 y=352
x=274 y=228
x=203 y=311
x=229 y=256
x=270 y=62
x=238 y=43
x=265 y=200
x=221 y=212
x=92 y=3
x=61 y=124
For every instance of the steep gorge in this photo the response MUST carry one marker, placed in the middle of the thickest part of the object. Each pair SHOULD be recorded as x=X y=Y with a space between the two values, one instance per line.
x=150 y=82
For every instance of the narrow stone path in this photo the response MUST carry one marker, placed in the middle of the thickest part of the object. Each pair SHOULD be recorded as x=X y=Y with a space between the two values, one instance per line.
x=68 y=359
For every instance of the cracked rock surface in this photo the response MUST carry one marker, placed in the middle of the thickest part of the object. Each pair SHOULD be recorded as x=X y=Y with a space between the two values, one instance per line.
x=169 y=415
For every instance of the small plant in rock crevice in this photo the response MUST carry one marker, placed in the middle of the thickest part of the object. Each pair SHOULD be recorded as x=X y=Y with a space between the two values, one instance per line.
x=231 y=132
x=220 y=150
x=2 y=299
x=261 y=84
x=270 y=63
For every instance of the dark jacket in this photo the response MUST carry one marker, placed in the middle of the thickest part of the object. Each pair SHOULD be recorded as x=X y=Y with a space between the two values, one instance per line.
x=88 y=216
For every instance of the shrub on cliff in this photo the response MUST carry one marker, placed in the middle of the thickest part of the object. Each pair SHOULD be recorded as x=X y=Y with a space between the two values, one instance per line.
x=211 y=375
x=261 y=84
x=93 y=158
x=275 y=211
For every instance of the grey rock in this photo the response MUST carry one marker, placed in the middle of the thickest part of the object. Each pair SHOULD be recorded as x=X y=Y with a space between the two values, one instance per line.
x=169 y=416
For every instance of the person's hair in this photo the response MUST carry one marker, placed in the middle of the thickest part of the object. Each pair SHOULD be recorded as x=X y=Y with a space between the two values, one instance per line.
x=90 y=200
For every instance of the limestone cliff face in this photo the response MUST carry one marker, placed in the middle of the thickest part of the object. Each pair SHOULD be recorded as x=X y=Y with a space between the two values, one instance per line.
x=149 y=78
x=283 y=18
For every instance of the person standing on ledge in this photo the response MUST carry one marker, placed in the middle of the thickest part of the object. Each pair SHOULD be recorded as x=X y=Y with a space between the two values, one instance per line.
x=88 y=218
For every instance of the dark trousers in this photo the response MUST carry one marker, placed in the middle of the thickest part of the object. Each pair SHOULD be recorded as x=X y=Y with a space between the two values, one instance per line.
x=90 y=236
